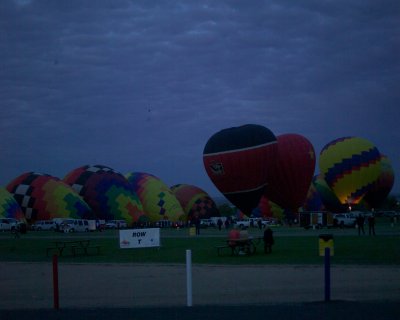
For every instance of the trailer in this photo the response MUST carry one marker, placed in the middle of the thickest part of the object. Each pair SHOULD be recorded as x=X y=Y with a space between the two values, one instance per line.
x=316 y=220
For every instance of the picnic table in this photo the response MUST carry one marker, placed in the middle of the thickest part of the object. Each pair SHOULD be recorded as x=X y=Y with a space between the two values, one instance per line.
x=73 y=247
x=244 y=246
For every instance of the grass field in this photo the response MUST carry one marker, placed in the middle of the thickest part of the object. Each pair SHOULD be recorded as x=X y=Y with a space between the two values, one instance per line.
x=292 y=246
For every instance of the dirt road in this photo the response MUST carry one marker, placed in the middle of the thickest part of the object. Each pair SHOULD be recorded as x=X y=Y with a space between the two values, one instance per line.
x=29 y=286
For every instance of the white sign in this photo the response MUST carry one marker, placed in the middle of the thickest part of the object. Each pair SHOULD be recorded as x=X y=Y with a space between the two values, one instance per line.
x=139 y=238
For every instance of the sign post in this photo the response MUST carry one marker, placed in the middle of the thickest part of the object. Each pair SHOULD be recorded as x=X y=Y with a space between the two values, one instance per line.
x=189 y=278
x=139 y=238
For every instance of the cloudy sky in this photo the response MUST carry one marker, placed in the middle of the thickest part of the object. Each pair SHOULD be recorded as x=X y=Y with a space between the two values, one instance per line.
x=142 y=85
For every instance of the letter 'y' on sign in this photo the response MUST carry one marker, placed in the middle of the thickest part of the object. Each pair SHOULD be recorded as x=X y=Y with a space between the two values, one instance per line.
x=139 y=238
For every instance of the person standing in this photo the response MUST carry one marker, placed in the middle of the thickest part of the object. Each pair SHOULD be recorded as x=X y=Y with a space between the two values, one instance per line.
x=360 y=224
x=197 y=225
x=219 y=223
x=371 y=225
x=268 y=240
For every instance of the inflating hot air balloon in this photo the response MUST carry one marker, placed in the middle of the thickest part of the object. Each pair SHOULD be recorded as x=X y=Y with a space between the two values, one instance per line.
x=9 y=207
x=43 y=197
x=382 y=186
x=159 y=203
x=328 y=197
x=196 y=203
x=108 y=193
x=313 y=200
x=350 y=166
x=268 y=209
x=294 y=170
x=239 y=161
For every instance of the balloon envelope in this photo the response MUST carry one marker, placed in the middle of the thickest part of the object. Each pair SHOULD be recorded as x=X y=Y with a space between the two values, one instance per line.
x=43 y=197
x=382 y=186
x=328 y=197
x=196 y=203
x=294 y=170
x=159 y=203
x=108 y=193
x=9 y=207
x=350 y=166
x=239 y=161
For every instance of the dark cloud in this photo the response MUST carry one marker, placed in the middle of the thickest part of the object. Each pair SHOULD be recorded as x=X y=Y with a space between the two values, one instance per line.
x=142 y=85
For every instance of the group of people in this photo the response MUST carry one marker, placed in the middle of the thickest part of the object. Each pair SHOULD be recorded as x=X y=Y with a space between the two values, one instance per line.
x=360 y=221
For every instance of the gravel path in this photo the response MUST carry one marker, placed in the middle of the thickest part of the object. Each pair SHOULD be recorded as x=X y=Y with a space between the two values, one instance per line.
x=29 y=286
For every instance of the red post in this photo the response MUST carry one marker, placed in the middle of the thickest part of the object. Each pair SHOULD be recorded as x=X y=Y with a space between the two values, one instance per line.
x=55 y=282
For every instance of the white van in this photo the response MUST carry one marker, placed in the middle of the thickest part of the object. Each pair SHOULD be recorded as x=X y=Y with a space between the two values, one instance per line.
x=75 y=225
x=8 y=224
x=44 y=225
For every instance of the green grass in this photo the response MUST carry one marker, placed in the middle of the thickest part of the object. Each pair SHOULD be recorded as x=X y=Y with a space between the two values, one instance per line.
x=288 y=249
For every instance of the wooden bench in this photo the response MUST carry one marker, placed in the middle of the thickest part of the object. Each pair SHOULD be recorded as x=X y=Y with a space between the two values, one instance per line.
x=223 y=247
x=77 y=247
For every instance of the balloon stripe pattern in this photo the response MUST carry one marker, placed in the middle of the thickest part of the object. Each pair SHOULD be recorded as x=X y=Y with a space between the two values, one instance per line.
x=195 y=202
x=43 y=197
x=159 y=202
x=108 y=193
x=350 y=167
x=9 y=207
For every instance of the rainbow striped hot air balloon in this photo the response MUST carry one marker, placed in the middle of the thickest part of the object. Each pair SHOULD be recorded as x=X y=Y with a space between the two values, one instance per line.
x=43 y=197
x=9 y=207
x=350 y=166
x=108 y=193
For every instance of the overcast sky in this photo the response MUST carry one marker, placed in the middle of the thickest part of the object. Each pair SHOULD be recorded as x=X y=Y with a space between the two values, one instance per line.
x=142 y=85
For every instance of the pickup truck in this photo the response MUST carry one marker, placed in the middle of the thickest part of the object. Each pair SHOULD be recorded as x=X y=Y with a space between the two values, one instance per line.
x=344 y=220
x=8 y=224
x=251 y=222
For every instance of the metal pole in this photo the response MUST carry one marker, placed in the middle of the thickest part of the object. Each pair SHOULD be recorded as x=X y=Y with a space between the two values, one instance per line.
x=327 y=274
x=189 y=277
x=55 y=283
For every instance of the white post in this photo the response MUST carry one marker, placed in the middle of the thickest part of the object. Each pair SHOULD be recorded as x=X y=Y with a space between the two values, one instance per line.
x=189 y=277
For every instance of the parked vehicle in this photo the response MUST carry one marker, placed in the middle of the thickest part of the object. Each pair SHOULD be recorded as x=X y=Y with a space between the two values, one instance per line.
x=316 y=220
x=44 y=225
x=76 y=225
x=205 y=223
x=8 y=224
x=116 y=224
x=344 y=220
x=242 y=224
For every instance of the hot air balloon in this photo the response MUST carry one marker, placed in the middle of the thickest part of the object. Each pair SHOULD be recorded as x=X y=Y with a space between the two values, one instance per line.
x=108 y=193
x=9 y=207
x=350 y=166
x=313 y=200
x=159 y=203
x=294 y=170
x=382 y=186
x=328 y=197
x=195 y=202
x=44 y=197
x=268 y=209
x=239 y=161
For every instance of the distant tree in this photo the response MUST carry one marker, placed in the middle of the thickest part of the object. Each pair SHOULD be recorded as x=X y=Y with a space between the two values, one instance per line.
x=391 y=203
x=225 y=210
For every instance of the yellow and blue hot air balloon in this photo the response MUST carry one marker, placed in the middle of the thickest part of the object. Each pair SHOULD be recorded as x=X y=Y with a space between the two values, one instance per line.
x=159 y=203
x=350 y=166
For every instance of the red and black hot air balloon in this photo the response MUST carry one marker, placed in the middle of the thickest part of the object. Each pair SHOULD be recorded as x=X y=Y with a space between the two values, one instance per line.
x=294 y=170
x=239 y=161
